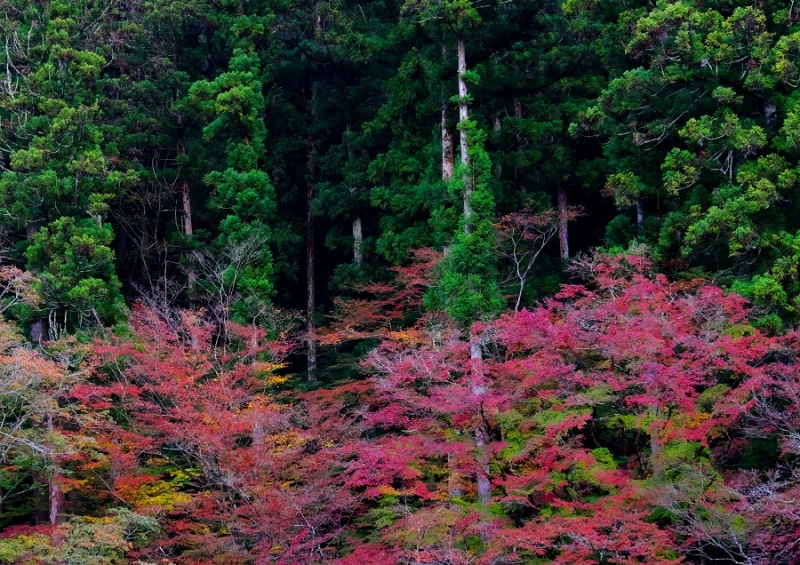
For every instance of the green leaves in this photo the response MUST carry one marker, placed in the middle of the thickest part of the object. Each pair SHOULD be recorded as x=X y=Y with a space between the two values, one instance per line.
x=710 y=106
x=75 y=267
x=468 y=289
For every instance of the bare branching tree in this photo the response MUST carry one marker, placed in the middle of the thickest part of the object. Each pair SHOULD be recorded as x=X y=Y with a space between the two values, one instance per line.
x=219 y=275
x=521 y=238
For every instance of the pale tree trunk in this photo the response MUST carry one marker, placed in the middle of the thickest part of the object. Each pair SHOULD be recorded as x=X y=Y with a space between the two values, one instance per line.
x=358 y=241
x=358 y=236
x=475 y=351
x=484 y=485
x=448 y=148
x=563 y=233
x=56 y=495
x=187 y=212
x=310 y=302
x=463 y=116
x=188 y=231
x=481 y=433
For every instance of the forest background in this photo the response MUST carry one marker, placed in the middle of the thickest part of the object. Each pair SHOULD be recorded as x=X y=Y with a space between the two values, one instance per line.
x=250 y=246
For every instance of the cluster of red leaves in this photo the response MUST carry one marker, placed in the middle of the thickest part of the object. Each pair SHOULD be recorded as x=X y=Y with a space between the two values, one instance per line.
x=385 y=306
x=262 y=477
x=601 y=427
x=540 y=418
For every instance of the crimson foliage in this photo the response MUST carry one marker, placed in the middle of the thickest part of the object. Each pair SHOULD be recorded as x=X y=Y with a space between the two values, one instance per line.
x=628 y=420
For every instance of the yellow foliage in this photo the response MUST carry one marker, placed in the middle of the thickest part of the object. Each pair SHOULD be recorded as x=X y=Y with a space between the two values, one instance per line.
x=265 y=368
x=274 y=380
x=200 y=529
x=408 y=337
x=389 y=490
x=154 y=493
x=696 y=419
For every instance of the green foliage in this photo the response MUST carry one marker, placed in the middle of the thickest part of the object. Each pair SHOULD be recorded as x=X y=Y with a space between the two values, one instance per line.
x=467 y=289
x=76 y=276
x=700 y=118
x=93 y=541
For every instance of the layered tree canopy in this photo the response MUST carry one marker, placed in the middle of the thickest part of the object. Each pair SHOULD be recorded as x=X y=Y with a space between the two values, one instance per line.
x=440 y=282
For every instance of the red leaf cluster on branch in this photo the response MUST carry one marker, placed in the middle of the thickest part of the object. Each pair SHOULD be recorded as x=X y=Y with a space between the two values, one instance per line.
x=608 y=425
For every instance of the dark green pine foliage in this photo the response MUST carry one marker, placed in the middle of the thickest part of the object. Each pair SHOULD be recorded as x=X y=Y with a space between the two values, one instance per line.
x=701 y=125
x=467 y=289
x=83 y=108
x=416 y=208
x=233 y=104
x=193 y=141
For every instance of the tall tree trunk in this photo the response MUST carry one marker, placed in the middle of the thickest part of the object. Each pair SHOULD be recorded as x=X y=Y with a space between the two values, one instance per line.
x=484 y=485
x=481 y=433
x=639 y=212
x=188 y=231
x=56 y=501
x=448 y=147
x=187 y=212
x=55 y=495
x=463 y=116
x=563 y=233
x=311 y=305
x=310 y=302
x=358 y=238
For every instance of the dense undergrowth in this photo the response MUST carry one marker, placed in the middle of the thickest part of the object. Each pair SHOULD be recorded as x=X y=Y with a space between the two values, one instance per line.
x=627 y=420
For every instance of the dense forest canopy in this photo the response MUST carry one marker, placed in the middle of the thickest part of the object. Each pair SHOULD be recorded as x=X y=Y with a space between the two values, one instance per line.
x=435 y=281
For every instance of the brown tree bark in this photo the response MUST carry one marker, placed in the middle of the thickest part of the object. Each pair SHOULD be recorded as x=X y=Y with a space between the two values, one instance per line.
x=56 y=497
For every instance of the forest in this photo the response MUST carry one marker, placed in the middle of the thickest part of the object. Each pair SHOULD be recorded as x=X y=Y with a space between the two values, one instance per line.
x=402 y=282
